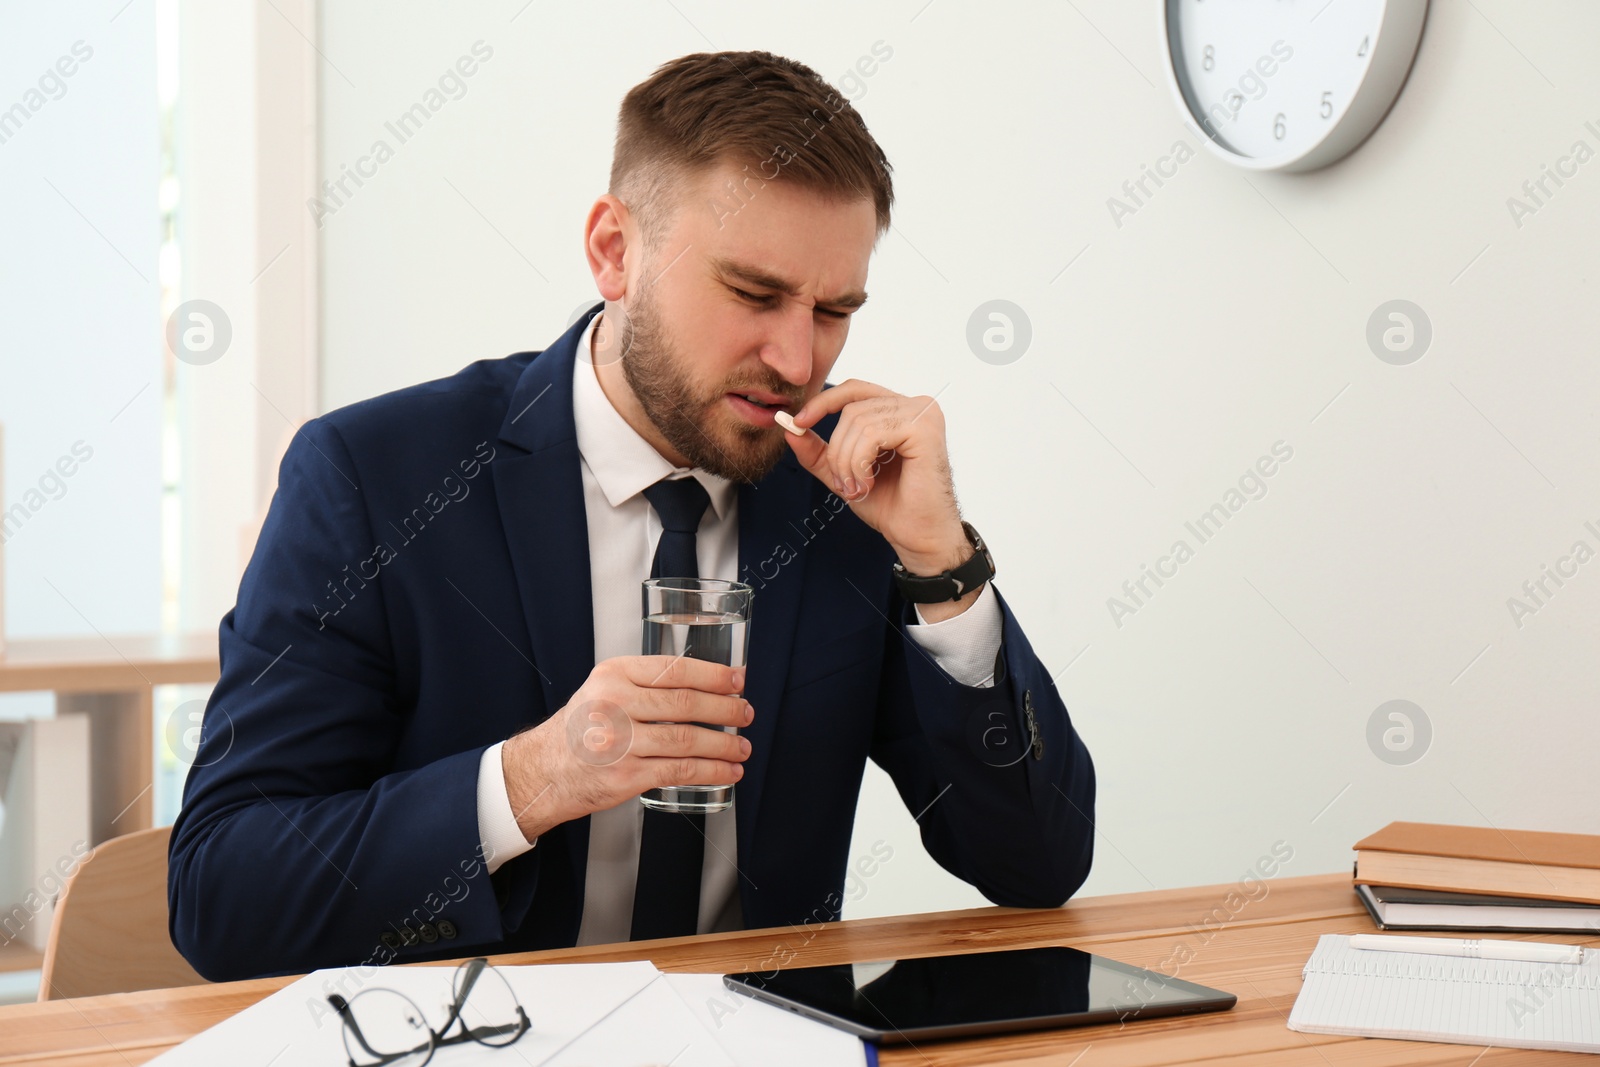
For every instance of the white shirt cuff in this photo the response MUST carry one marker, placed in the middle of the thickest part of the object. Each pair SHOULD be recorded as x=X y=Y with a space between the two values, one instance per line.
x=498 y=833
x=965 y=645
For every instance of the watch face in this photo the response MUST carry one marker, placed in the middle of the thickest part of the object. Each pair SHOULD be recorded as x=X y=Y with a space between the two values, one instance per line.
x=1289 y=84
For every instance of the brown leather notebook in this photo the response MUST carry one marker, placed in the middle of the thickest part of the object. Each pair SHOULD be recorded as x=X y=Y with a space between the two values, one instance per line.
x=1472 y=859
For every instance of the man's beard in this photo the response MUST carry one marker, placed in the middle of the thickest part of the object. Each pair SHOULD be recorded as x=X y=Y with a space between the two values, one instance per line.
x=657 y=374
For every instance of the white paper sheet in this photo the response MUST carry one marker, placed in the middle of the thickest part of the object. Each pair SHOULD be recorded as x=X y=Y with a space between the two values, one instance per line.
x=754 y=1033
x=296 y=1026
x=581 y=1013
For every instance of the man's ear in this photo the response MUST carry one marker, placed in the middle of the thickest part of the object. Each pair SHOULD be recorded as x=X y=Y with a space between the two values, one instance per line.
x=607 y=234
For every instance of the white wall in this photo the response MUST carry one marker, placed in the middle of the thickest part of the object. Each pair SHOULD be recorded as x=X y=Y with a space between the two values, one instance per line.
x=217 y=238
x=1231 y=711
x=246 y=164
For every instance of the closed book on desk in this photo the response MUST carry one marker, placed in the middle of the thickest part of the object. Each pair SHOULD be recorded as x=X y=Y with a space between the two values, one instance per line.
x=1483 y=860
x=1394 y=908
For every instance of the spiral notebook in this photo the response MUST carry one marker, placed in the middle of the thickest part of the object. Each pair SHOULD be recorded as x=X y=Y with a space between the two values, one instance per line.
x=1418 y=997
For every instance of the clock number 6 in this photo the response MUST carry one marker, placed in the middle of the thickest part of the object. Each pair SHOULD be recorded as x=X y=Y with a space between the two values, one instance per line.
x=1278 y=128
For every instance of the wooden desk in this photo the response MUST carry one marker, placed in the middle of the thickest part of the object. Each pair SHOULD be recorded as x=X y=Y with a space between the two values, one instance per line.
x=109 y=679
x=1258 y=955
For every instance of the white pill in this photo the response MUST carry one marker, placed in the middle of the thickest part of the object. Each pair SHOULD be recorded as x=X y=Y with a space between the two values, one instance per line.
x=786 y=420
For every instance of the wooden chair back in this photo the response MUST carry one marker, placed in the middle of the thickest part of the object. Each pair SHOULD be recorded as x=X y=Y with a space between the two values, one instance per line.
x=109 y=932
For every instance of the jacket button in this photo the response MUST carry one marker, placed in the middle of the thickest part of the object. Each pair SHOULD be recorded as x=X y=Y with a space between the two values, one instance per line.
x=447 y=929
x=409 y=937
x=430 y=933
x=390 y=940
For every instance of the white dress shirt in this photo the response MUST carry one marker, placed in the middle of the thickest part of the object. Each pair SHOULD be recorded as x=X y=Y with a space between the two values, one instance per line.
x=617 y=466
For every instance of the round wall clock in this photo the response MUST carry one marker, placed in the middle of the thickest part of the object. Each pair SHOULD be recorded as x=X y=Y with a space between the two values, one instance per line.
x=1289 y=85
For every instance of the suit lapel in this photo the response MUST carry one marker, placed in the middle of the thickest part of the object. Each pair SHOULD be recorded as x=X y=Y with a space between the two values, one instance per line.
x=776 y=571
x=539 y=484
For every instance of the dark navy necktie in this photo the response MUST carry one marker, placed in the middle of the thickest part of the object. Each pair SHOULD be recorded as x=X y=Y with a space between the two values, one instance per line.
x=680 y=505
x=666 y=896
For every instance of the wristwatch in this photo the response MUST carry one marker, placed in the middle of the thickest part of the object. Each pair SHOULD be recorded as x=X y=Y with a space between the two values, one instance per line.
x=953 y=584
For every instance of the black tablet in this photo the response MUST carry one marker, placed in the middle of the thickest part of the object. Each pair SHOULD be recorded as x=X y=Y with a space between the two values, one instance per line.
x=977 y=993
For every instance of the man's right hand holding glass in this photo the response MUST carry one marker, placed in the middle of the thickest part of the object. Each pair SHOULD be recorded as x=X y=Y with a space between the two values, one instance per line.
x=630 y=727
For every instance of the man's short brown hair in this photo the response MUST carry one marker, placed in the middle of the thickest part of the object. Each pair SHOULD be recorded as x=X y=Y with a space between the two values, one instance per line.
x=777 y=117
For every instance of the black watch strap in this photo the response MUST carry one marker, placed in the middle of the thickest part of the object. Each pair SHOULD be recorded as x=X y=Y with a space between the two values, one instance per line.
x=953 y=584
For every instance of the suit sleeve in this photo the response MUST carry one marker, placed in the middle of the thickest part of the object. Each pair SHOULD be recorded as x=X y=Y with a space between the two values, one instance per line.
x=299 y=844
x=1002 y=784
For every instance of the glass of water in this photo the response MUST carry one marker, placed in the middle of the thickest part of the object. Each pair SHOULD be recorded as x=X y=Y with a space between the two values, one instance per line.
x=704 y=618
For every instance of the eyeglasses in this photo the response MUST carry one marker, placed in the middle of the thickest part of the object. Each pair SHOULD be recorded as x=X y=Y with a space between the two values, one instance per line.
x=387 y=1026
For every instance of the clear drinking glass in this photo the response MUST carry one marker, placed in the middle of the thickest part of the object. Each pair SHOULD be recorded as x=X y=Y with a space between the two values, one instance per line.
x=704 y=618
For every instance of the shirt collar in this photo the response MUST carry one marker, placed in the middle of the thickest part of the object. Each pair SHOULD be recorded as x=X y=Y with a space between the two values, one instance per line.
x=624 y=463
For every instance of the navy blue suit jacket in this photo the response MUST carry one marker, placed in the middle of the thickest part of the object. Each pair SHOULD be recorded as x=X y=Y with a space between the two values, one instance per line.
x=420 y=591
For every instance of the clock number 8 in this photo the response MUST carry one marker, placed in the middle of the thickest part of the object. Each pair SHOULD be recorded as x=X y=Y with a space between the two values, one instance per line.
x=1208 y=58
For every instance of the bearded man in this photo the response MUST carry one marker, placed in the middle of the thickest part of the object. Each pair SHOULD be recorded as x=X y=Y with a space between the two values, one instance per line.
x=434 y=722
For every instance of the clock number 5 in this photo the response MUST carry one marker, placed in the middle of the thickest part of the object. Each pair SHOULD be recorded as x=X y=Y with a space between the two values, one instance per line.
x=1327 y=105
